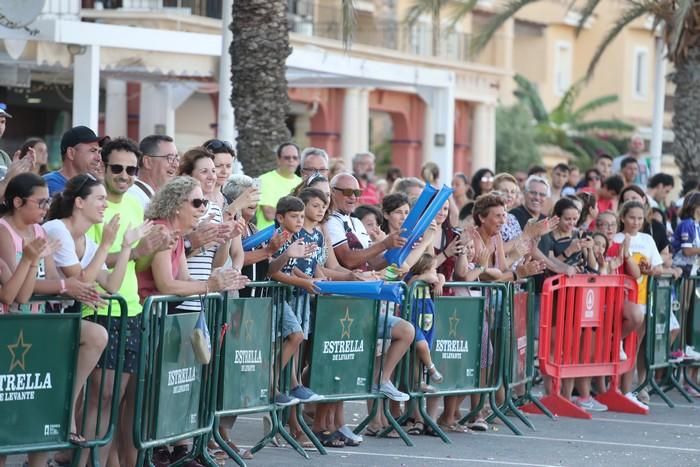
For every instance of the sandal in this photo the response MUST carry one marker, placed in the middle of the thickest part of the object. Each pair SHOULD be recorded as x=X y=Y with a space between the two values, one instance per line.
x=428 y=431
x=329 y=440
x=392 y=434
x=373 y=432
x=478 y=425
x=303 y=440
x=456 y=428
x=435 y=375
x=76 y=439
x=417 y=429
x=347 y=441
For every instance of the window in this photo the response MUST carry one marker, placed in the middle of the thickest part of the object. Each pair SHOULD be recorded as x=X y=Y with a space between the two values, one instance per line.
x=562 y=67
x=641 y=73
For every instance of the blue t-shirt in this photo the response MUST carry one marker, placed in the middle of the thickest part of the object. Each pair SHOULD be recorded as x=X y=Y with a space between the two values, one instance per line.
x=55 y=181
x=687 y=235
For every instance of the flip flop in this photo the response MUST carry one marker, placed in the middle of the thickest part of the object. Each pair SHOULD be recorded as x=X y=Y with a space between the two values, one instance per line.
x=77 y=439
x=478 y=425
x=417 y=429
x=303 y=441
x=456 y=428
x=347 y=441
x=329 y=440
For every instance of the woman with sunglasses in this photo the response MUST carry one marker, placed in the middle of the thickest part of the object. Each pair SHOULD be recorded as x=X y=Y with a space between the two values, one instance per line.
x=198 y=163
x=482 y=182
x=25 y=205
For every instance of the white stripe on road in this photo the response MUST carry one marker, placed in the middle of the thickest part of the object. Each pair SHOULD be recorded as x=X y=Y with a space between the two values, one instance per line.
x=604 y=443
x=641 y=422
x=442 y=459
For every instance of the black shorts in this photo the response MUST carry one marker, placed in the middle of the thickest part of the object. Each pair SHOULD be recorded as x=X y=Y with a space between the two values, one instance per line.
x=132 y=345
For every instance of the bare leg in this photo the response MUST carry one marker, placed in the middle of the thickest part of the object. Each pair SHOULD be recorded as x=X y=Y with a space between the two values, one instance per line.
x=401 y=337
x=93 y=340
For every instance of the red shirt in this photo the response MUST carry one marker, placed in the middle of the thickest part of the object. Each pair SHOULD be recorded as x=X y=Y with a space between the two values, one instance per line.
x=370 y=194
x=605 y=205
x=147 y=285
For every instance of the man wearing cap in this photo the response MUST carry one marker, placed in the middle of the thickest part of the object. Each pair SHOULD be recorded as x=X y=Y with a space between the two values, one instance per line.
x=5 y=159
x=80 y=154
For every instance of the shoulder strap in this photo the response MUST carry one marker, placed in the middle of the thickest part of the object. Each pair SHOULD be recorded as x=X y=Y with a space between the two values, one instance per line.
x=145 y=188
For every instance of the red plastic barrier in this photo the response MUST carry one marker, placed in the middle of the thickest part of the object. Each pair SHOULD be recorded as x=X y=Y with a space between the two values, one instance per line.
x=580 y=334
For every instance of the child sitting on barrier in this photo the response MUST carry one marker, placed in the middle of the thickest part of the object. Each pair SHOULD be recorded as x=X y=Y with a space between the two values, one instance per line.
x=295 y=264
x=425 y=270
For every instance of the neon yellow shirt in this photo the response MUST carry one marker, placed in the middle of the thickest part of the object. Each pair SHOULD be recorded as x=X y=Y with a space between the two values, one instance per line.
x=273 y=186
x=130 y=213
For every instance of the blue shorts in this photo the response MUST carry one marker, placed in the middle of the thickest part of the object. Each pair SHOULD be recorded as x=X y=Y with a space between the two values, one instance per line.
x=291 y=321
x=392 y=320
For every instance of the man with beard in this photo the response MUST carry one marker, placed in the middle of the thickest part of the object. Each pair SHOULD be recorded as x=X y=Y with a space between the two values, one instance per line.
x=363 y=169
x=80 y=154
x=277 y=183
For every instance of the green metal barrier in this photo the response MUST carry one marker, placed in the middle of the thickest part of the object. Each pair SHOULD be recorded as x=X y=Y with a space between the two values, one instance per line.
x=245 y=356
x=174 y=392
x=457 y=348
x=690 y=324
x=657 y=345
x=519 y=368
x=36 y=392
x=343 y=356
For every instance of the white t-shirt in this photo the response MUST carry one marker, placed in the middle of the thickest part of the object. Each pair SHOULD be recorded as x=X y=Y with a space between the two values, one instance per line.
x=142 y=191
x=66 y=254
x=339 y=225
x=642 y=244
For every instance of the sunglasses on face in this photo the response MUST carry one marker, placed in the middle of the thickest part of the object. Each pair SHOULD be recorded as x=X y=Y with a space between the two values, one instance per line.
x=199 y=202
x=42 y=203
x=348 y=192
x=487 y=179
x=116 y=169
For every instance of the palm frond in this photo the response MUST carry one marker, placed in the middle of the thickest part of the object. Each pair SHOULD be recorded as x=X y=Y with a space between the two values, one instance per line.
x=576 y=149
x=417 y=9
x=684 y=8
x=564 y=109
x=349 y=20
x=595 y=144
x=592 y=105
x=459 y=10
x=527 y=93
x=637 y=10
x=605 y=125
x=586 y=13
x=495 y=22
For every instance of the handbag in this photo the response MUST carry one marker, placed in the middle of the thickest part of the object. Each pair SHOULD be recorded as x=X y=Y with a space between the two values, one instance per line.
x=200 y=338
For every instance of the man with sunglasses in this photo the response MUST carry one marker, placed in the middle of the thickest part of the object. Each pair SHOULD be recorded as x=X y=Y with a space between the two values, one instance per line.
x=80 y=154
x=158 y=164
x=278 y=183
x=120 y=157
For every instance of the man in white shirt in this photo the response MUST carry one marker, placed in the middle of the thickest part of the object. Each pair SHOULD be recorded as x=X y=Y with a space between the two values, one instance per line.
x=636 y=151
x=158 y=164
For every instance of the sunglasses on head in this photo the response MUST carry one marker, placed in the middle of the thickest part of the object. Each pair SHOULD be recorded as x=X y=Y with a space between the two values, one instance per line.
x=116 y=169
x=219 y=146
x=349 y=191
x=199 y=202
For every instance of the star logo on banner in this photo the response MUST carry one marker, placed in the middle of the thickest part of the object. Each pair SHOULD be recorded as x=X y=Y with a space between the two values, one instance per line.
x=19 y=352
x=454 y=321
x=248 y=329
x=346 y=322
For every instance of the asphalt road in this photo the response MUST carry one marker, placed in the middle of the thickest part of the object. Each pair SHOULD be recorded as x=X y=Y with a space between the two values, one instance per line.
x=666 y=437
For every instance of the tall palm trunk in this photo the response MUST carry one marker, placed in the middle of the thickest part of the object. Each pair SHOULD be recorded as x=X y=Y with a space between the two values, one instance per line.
x=259 y=52
x=686 y=114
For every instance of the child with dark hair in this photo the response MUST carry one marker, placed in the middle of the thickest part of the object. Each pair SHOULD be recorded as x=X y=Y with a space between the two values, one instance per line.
x=295 y=255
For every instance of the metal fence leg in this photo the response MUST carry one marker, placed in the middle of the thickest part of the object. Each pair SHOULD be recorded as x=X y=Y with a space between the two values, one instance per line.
x=393 y=424
x=429 y=421
x=309 y=433
x=497 y=412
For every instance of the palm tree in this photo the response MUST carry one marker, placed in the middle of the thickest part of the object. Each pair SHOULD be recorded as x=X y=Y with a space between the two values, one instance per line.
x=259 y=52
x=566 y=126
x=681 y=21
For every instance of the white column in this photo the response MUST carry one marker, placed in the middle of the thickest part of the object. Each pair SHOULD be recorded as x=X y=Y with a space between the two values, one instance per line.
x=86 y=87
x=158 y=105
x=116 y=108
x=355 y=128
x=439 y=132
x=484 y=137
x=657 y=116
x=226 y=123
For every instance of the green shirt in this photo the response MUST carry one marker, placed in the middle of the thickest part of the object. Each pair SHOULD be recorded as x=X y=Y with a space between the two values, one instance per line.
x=273 y=186
x=130 y=216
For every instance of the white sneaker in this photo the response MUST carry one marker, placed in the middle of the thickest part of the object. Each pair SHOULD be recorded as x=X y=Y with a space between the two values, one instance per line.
x=633 y=397
x=623 y=355
x=348 y=433
x=590 y=404
x=691 y=353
